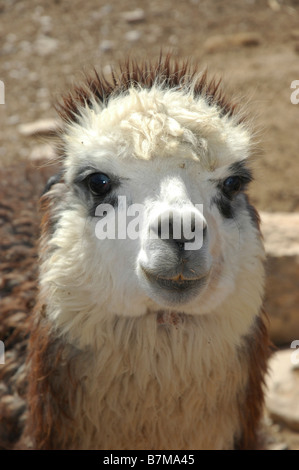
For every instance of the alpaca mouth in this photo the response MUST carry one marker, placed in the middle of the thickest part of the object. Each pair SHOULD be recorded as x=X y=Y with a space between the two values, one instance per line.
x=177 y=284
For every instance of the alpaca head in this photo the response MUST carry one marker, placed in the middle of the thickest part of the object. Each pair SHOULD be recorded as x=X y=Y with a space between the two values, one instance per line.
x=151 y=212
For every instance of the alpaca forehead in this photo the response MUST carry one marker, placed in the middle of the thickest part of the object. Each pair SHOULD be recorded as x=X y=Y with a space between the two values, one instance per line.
x=154 y=124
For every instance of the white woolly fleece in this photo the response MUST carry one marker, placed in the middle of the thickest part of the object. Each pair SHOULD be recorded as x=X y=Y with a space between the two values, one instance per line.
x=157 y=377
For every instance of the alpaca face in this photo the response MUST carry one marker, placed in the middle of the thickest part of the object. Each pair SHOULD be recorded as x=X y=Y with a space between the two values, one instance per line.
x=171 y=163
x=174 y=157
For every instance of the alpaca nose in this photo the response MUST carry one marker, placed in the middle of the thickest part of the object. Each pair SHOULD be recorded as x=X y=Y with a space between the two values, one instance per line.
x=186 y=229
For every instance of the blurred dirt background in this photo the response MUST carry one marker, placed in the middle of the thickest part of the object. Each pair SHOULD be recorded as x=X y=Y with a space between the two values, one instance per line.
x=45 y=46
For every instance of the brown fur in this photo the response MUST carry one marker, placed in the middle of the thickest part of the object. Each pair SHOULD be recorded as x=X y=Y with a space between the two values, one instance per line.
x=166 y=72
x=47 y=401
x=257 y=348
x=254 y=215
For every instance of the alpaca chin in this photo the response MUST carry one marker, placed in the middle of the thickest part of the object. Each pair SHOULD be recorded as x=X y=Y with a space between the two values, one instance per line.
x=171 y=292
x=170 y=318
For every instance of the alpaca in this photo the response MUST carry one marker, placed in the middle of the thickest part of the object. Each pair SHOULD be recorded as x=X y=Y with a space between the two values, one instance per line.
x=149 y=341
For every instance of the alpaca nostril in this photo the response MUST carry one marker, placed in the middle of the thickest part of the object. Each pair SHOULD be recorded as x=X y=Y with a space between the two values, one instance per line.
x=180 y=245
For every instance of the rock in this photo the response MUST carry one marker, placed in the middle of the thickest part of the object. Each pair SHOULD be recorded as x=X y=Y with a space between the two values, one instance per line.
x=101 y=13
x=220 y=43
x=46 y=24
x=281 y=232
x=45 y=45
x=12 y=406
x=173 y=39
x=26 y=47
x=11 y=38
x=106 y=45
x=42 y=153
x=133 y=35
x=281 y=237
x=274 y=5
x=282 y=396
x=270 y=433
x=40 y=127
x=13 y=120
x=107 y=69
x=277 y=446
x=134 y=16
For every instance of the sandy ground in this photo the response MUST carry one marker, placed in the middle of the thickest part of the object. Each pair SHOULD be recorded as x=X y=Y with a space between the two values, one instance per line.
x=252 y=44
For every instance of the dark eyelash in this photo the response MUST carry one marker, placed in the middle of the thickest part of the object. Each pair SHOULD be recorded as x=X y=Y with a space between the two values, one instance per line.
x=239 y=169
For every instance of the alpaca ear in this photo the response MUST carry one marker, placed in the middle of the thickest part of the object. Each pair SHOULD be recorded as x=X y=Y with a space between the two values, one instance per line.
x=51 y=181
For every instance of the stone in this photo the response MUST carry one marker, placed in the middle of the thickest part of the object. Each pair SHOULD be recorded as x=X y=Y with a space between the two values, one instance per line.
x=282 y=384
x=42 y=153
x=281 y=238
x=46 y=24
x=13 y=120
x=281 y=233
x=133 y=35
x=107 y=69
x=45 y=45
x=274 y=5
x=106 y=45
x=277 y=446
x=221 y=42
x=134 y=16
x=40 y=127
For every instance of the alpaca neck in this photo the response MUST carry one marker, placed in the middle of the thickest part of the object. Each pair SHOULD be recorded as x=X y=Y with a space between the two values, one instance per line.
x=146 y=378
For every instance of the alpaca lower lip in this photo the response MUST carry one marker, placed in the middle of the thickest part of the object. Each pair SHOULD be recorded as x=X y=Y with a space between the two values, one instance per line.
x=177 y=283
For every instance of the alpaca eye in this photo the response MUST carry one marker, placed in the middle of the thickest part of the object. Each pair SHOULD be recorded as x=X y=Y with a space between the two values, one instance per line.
x=232 y=185
x=99 y=183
